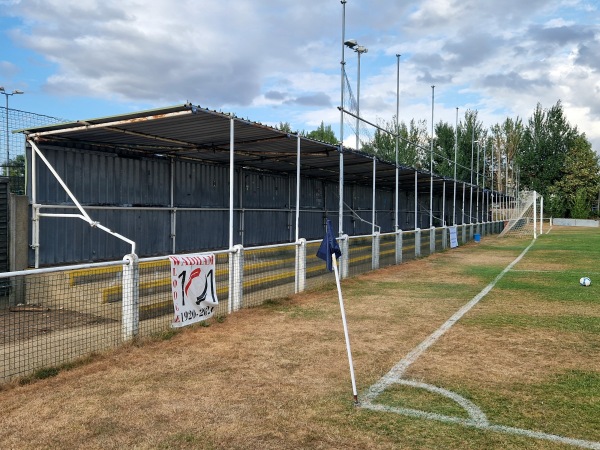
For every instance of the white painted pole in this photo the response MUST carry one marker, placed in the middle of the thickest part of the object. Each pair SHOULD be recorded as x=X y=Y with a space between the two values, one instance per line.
x=443 y=203
x=455 y=162
x=343 y=74
x=416 y=205
x=346 y=336
x=396 y=224
x=173 y=210
x=534 y=215
x=298 y=190
x=374 y=199
x=34 y=211
x=230 y=303
x=542 y=215
x=431 y=163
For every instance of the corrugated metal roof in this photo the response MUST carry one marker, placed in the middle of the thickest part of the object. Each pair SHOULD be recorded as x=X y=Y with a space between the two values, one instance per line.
x=191 y=132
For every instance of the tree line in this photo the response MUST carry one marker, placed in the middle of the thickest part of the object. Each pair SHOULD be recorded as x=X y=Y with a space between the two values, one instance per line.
x=546 y=154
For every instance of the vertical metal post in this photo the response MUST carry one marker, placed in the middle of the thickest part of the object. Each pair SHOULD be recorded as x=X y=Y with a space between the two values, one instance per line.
x=416 y=204
x=173 y=209
x=396 y=225
x=534 y=215
x=541 y=214
x=343 y=73
x=298 y=188
x=35 y=231
x=300 y=243
x=463 y=224
x=232 y=272
x=373 y=197
x=431 y=163
x=477 y=195
x=455 y=162
x=472 y=151
x=374 y=234
x=444 y=203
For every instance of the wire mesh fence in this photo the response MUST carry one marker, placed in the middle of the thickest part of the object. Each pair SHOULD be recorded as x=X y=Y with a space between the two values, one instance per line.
x=51 y=317
x=12 y=145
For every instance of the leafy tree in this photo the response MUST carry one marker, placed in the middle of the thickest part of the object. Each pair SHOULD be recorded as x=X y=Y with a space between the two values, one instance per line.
x=412 y=143
x=546 y=142
x=443 y=150
x=469 y=131
x=284 y=126
x=581 y=207
x=575 y=191
x=323 y=133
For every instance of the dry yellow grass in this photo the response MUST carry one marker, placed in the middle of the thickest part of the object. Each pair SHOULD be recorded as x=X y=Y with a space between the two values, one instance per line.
x=277 y=377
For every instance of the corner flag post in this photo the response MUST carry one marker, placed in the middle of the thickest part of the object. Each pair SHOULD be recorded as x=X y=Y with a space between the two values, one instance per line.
x=329 y=251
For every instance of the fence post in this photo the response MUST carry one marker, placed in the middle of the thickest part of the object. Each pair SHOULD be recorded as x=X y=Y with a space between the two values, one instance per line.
x=432 y=240
x=131 y=297
x=464 y=233
x=399 y=247
x=345 y=248
x=300 y=265
x=375 y=251
x=418 y=243
x=236 y=277
x=444 y=237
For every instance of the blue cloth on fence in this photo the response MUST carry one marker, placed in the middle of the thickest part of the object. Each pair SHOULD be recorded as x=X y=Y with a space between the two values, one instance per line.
x=328 y=247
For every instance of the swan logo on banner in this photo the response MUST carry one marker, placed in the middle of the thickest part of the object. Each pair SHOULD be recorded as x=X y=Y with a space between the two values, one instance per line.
x=193 y=288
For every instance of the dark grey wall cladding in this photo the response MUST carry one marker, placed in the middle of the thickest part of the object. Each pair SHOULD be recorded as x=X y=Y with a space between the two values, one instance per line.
x=200 y=185
x=202 y=230
x=126 y=184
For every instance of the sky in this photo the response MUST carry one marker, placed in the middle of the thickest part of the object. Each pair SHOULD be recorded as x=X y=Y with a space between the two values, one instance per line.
x=278 y=61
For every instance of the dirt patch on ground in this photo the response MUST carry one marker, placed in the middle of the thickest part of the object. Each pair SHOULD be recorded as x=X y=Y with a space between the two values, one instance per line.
x=24 y=322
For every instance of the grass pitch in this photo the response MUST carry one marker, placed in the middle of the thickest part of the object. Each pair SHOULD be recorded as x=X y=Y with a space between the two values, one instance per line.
x=277 y=377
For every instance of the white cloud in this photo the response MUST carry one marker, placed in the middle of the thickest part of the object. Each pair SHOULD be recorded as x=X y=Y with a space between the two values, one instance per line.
x=280 y=59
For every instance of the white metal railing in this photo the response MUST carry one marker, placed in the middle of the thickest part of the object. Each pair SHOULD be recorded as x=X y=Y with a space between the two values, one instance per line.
x=125 y=290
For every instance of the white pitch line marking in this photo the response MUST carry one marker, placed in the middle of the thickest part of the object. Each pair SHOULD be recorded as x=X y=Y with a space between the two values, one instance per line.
x=477 y=418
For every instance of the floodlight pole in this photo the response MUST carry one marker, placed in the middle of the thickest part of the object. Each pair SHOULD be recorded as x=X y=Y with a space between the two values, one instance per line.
x=341 y=175
x=396 y=226
x=471 y=195
x=455 y=161
x=477 y=196
x=358 y=49
x=6 y=95
x=431 y=163
x=483 y=192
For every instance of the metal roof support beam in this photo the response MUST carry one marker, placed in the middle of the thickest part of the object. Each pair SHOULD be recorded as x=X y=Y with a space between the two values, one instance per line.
x=109 y=125
x=84 y=215
x=298 y=189
x=231 y=178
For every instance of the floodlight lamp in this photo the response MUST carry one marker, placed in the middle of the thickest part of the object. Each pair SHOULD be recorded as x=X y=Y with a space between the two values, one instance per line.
x=351 y=43
x=361 y=49
x=1 y=88
x=17 y=91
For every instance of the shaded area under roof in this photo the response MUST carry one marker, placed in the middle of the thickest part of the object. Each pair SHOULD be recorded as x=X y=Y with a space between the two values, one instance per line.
x=191 y=132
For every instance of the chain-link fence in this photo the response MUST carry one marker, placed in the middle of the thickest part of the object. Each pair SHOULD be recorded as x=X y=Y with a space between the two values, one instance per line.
x=12 y=145
x=51 y=317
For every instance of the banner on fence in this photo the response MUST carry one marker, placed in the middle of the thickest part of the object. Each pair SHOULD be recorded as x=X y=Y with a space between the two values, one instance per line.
x=193 y=288
x=453 y=238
